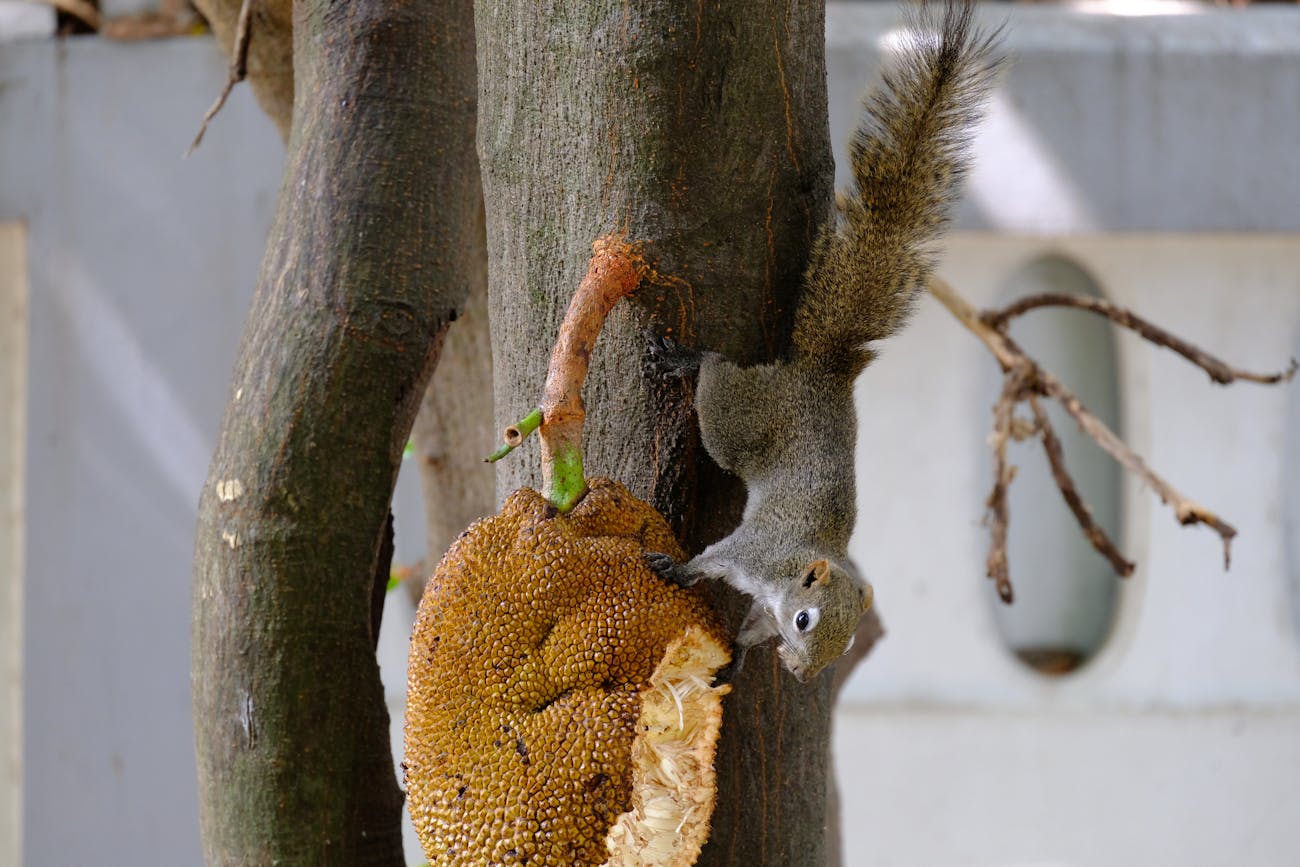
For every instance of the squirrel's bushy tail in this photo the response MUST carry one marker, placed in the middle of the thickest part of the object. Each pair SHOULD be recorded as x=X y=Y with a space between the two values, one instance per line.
x=908 y=157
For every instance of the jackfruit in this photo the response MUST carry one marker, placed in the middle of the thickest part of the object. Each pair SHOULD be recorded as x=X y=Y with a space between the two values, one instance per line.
x=560 y=706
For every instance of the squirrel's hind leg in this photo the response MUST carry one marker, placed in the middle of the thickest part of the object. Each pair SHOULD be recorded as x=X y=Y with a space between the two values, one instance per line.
x=668 y=358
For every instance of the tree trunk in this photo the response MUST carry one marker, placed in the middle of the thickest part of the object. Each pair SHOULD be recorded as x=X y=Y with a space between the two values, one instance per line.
x=364 y=268
x=702 y=130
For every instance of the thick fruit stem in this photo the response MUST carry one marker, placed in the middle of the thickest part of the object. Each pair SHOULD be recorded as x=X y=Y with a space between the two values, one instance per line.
x=616 y=270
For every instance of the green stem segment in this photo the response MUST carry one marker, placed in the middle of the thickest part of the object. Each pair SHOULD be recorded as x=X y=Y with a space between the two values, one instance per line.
x=567 y=483
x=516 y=434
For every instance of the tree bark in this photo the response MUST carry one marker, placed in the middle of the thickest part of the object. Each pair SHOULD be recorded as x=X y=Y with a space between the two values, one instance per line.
x=454 y=424
x=362 y=273
x=700 y=128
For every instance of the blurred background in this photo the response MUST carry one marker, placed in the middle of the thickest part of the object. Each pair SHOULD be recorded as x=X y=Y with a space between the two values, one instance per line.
x=1147 y=153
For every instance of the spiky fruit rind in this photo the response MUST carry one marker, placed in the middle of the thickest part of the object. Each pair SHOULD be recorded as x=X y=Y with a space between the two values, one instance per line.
x=535 y=641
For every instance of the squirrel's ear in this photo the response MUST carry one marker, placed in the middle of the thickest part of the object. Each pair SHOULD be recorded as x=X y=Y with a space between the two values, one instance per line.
x=868 y=596
x=819 y=572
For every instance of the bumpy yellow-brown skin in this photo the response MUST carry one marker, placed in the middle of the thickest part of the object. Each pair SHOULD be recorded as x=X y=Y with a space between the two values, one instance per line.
x=533 y=640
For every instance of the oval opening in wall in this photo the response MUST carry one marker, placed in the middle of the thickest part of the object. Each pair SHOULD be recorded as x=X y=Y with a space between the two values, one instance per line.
x=1065 y=592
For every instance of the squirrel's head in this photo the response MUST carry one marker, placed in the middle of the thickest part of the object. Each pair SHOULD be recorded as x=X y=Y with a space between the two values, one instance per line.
x=817 y=619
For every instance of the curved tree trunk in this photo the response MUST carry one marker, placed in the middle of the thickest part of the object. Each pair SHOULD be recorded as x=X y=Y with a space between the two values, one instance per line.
x=363 y=270
x=702 y=130
x=454 y=424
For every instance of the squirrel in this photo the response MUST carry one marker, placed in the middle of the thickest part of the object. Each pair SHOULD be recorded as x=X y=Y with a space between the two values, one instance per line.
x=788 y=428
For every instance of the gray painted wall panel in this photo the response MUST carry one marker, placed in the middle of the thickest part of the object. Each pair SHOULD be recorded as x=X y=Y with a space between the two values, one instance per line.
x=141 y=268
x=1113 y=123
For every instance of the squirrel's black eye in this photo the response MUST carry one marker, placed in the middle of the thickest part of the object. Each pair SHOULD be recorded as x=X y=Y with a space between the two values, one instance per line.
x=807 y=619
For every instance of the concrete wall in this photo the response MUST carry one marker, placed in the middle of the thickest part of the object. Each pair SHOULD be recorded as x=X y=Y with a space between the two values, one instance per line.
x=140 y=266
x=1156 y=157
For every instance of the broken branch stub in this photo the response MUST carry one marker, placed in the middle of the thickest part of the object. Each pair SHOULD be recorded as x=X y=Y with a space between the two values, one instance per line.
x=238 y=70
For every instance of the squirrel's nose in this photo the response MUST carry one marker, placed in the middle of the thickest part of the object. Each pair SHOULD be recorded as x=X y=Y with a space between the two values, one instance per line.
x=800 y=672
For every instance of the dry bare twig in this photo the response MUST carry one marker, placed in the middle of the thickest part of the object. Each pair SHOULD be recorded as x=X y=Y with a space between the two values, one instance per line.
x=1056 y=459
x=1026 y=379
x=999 y=518
x=1220 y=371
x=238 y=70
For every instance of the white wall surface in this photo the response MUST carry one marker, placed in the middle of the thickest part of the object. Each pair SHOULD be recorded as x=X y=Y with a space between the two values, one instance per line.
x=1158 y=156
x=23 y=20
x=1110 y=141
x=934 y=788
x=140 y=266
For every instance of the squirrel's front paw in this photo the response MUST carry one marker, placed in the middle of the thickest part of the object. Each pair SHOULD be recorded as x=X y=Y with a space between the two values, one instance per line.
x=667 y=357
x=728 y=672
x=669 y=569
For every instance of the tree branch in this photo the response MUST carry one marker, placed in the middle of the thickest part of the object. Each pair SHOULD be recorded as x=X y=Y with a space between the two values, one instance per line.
x=1025 y=378
x=238 y=70
x=1056 y=459
x=738 y=244
x=1186 y=510
x=1219 y=371
x=998 y=569
x=353 y=298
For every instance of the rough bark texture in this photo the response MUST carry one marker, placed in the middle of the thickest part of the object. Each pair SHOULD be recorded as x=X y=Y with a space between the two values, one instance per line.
x=700 y=128
x=356 y=290
x=454 y=425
